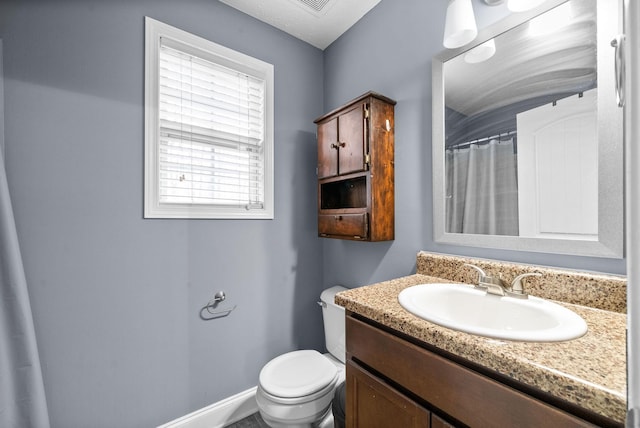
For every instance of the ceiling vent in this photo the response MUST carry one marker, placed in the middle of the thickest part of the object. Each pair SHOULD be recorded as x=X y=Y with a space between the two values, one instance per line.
x=316 y=5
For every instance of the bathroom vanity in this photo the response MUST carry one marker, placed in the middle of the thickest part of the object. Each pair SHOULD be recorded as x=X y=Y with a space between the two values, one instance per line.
x=405 y=371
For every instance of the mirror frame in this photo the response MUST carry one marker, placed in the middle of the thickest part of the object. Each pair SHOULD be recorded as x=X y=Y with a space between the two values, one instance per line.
x=610 y=241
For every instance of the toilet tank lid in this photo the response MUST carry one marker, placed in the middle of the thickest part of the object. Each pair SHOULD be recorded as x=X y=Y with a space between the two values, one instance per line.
x=297 y=374
x=329 y=294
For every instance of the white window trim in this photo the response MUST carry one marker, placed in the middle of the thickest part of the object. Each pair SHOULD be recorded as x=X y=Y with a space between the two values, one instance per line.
x=154 y=31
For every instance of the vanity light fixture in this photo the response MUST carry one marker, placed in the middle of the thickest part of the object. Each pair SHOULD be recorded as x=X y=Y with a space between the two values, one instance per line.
x=460 y=24
x=523 y=5
x=481 y=52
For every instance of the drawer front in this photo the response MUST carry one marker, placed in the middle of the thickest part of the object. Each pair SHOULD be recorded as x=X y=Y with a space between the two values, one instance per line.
x=351 y=225
x=472 y=398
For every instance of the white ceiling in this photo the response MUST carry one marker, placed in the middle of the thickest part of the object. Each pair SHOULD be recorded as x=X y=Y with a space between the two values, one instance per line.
x=317 y=22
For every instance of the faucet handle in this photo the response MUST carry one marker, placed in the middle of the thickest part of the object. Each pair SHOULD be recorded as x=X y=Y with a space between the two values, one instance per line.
x=480 y=271
x=517 y=286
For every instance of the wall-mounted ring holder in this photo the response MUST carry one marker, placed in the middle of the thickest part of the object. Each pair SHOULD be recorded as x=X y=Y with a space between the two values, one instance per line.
x=210 y=311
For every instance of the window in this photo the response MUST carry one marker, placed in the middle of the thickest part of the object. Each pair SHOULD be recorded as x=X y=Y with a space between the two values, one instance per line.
x=208 y=129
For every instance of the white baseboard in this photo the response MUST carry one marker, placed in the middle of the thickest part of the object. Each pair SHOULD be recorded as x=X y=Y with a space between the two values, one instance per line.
x=220 y=414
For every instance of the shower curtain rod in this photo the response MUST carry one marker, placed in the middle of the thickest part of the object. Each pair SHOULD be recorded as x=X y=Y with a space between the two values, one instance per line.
x=481 y=140
x=555 y=102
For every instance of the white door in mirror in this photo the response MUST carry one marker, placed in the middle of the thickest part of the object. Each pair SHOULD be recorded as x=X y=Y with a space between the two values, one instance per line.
x=558 y=169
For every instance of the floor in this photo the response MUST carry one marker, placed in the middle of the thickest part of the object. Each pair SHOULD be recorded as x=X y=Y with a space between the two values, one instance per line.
x=255 y=421
x=251 y=421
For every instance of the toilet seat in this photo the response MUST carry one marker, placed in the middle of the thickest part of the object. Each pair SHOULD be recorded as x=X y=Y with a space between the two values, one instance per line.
x=298 y=374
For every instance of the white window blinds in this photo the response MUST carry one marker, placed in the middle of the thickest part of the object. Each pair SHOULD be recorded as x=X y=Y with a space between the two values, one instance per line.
x=211 y=121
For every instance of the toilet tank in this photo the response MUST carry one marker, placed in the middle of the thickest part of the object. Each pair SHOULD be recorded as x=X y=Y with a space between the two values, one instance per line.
x=334 y=323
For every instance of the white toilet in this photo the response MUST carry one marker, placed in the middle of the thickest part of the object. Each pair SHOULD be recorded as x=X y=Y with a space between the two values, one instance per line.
x=295 y=389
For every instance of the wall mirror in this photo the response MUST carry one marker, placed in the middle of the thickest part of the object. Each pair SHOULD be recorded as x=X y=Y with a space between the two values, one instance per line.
x=528 y=137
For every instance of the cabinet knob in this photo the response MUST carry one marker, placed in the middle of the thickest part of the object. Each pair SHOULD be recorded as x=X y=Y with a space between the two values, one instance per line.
x=338 y=217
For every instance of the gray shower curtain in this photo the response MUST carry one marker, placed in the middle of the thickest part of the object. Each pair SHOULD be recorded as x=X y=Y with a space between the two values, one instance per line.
x=482 y=189
x=22 y=398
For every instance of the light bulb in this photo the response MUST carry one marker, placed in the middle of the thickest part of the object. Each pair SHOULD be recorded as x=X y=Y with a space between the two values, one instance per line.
x=460 y=24
x=481 y=52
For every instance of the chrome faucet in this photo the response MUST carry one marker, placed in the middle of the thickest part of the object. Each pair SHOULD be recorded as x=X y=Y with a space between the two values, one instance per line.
x=496 y=286
x=492 y=284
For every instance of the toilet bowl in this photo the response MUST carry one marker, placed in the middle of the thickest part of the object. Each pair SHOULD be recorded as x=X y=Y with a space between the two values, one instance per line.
x=295 y=389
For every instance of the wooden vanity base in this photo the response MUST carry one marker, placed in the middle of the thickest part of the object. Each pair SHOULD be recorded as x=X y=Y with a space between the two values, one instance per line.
x=392 y=382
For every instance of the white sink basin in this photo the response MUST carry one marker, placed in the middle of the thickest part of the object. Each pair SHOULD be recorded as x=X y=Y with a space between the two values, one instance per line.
x=464 y=308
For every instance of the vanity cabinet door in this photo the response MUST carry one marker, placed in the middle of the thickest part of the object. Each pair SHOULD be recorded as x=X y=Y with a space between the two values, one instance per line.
x=438 y=422
x=371 y=403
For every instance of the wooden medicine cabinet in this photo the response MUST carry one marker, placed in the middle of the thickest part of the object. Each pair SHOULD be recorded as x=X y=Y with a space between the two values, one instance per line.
x=356 y=170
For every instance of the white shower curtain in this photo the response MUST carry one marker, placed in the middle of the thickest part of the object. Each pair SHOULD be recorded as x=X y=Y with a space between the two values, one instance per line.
x=482 y=189
x=22 y=397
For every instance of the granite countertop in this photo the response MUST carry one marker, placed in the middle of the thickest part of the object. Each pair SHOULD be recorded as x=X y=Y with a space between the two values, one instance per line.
x=589 y=371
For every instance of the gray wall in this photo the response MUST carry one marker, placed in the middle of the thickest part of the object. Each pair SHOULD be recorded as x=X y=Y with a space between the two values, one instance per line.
x=390 y=51
x=115 y=297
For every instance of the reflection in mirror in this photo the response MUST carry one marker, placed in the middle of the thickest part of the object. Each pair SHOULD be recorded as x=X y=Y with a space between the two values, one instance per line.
x=529 y=153
x=554 y=58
